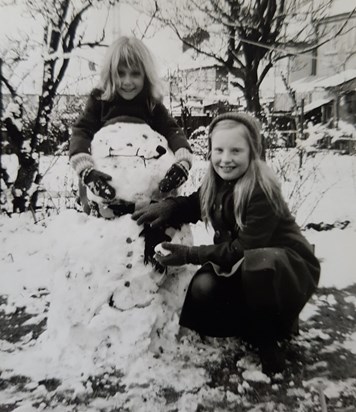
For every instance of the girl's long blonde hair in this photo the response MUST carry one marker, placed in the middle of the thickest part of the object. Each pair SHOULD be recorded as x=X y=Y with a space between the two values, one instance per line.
x=257 y=173
x=132 y=53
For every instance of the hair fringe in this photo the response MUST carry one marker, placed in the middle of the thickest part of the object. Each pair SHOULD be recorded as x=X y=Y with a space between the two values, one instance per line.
x=133 y=53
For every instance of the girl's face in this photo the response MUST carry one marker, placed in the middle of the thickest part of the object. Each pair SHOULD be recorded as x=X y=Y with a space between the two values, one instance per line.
x=230 y=152
x=130 y=82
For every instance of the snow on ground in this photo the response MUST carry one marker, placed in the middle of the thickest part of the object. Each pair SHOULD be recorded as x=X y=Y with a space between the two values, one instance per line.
x=71 y=243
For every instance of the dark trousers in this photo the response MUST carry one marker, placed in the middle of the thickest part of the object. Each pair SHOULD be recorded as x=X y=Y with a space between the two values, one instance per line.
x=238 y=305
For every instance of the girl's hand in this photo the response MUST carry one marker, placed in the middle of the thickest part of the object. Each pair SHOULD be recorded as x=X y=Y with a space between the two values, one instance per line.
x=180 y=255
x=97 y=183
x=155 y=214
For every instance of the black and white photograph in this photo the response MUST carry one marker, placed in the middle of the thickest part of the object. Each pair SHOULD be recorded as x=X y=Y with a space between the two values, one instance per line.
x=178 y=206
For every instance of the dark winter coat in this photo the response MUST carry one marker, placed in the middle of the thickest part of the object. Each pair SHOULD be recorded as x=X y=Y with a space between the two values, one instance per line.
x=99 y=113
x=268 y=243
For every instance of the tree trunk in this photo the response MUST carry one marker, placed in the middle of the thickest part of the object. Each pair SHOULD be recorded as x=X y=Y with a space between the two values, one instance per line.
x=253 y=105
x=45 y=105
x=24 y=198
x=251 y=92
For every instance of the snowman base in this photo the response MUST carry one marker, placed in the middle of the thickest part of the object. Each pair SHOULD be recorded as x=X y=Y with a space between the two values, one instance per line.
x=111 y=310
x=116 y=303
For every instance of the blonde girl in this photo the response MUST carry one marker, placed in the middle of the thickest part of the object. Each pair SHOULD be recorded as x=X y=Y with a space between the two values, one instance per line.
x=129 y=88
x=260 y=272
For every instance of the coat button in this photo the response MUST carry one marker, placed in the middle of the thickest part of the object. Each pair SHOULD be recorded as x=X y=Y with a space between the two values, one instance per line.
x=217 y=234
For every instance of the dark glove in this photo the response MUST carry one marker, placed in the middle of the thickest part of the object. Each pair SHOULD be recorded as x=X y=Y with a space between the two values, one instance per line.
x=175 y=177
x=123 y=208
x=96 y=182
x=180 y=255
x=153 y=236
x=155 y=214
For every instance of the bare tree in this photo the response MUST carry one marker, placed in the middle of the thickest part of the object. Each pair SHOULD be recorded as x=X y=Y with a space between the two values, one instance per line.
x=246 y=36
x=64 y=30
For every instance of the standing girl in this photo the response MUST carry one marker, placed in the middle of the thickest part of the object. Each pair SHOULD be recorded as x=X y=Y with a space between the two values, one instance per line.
x=260 y=272
x=129 y=87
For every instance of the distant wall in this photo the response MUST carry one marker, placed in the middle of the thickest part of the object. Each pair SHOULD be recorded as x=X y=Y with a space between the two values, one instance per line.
x=340 y=52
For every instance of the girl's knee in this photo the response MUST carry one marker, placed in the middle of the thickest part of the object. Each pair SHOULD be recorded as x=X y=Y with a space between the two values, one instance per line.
x=203 y=286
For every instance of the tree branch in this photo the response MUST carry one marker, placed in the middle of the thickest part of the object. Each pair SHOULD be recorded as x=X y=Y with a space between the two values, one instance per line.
x=8 y=85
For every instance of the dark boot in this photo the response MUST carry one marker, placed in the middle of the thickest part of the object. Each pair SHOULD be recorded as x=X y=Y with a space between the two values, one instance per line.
x=272 y=357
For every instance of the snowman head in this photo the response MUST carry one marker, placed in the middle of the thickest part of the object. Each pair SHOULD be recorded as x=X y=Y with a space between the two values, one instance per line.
x=136 y=156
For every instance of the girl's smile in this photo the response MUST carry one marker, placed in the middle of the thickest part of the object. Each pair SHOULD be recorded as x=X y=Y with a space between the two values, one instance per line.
x=230 y=152
x=131 y=82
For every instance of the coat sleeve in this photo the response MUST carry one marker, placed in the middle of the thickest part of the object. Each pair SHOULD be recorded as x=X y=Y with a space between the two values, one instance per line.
x=85 y=127
x=166 y=125
x=260 y=223
x=186 y=209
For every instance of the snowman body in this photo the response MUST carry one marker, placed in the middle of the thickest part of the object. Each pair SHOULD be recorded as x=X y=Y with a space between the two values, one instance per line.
x=113 y=306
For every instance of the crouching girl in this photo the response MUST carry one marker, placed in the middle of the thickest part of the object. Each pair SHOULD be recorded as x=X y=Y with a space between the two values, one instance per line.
x=260 y=272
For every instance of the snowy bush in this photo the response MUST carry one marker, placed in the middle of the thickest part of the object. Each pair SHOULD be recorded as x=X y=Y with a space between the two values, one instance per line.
x=199 y=142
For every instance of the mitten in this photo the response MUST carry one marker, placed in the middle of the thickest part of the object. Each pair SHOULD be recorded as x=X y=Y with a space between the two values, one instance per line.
x=180 y=255
x=153 y=236
x=175 y=177
x=96 y=182
x=155 y=214
x=123 y=208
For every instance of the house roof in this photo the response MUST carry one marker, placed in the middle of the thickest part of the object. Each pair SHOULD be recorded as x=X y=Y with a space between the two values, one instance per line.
x=339 y=138
x=316 y=103
x=309 y=83
x=306 y=84
x=337 y=79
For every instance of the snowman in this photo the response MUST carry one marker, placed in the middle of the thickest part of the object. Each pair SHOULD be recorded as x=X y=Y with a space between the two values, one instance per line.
x=136 y=158
x=115 y=302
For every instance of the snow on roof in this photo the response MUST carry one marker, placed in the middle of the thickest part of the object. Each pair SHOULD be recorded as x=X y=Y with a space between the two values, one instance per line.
x=341 y=137
x=338 y=79
x=345 y=131
x=306 y=84
x=312 y=140
x=316 y=103
x=214 y=98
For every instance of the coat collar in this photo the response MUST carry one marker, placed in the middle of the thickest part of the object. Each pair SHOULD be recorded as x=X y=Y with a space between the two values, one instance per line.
x=225 y=185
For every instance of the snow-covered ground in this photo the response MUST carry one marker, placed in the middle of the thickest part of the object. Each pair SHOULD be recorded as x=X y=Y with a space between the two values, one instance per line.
x=64 y=252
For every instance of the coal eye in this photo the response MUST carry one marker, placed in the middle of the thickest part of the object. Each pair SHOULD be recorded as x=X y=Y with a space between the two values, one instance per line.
x=160 y=150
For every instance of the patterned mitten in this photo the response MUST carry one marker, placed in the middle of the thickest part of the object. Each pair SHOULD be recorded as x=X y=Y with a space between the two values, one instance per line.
x=175 y=177
x=96 y=182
